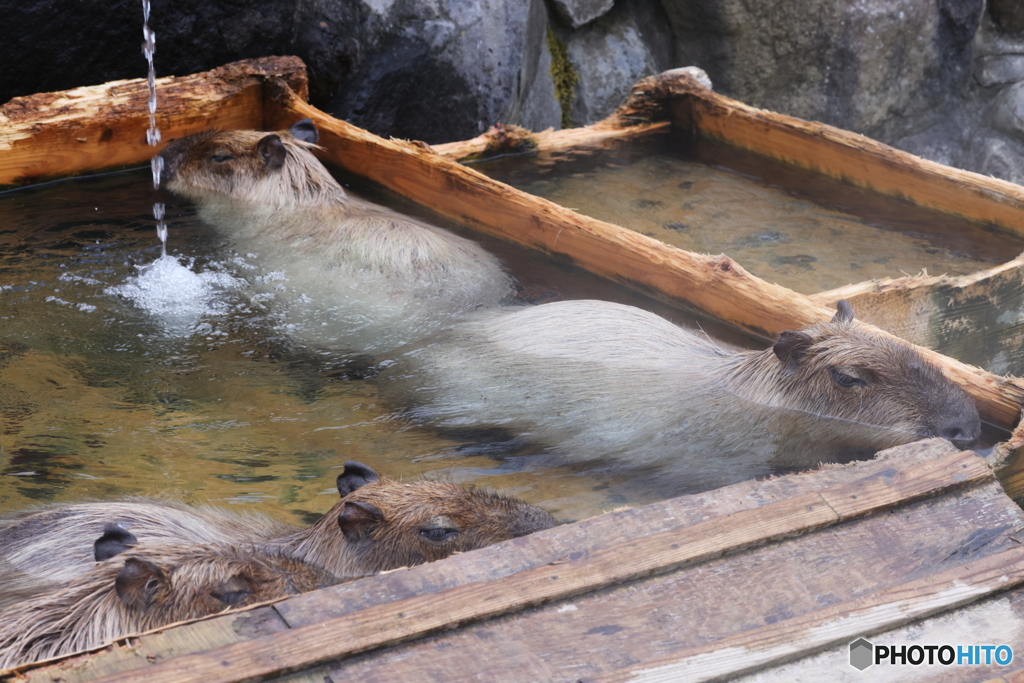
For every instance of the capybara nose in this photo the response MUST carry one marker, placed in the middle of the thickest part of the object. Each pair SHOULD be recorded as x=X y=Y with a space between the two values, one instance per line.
x=962 y=435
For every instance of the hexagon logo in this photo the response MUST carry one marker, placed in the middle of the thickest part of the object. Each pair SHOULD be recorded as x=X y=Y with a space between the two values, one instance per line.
x=861 y=654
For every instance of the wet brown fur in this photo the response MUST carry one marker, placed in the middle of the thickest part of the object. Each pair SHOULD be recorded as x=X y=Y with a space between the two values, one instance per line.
x=41 y=549
x=596 y=380
x=412 y=513
x=144 y=589
x=353 y=259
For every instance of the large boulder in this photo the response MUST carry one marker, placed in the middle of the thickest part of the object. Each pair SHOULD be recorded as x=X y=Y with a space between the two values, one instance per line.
x=873 y=66
x=612 y=53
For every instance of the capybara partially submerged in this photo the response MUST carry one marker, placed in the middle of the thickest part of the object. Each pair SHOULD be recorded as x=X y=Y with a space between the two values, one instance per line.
x=597 y=380
x=145 y=588
x=355 y=275
x=378 y=524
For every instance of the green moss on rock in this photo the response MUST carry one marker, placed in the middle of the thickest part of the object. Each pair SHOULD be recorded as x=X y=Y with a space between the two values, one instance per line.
x=565 y=77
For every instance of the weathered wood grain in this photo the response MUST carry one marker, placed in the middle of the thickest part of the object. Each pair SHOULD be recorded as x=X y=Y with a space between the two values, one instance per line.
x=651 y=619
x=601 y=133
x=580 y=573
x=91 y=128
x=975 y=318
x=839 y=623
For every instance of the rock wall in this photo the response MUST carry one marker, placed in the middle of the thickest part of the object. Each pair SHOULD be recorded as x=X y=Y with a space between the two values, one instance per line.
x=940 y=78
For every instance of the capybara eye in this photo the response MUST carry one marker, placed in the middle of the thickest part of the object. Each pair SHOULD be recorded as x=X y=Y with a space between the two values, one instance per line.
x=438 y=534
x=847 y=381
x=221 y=158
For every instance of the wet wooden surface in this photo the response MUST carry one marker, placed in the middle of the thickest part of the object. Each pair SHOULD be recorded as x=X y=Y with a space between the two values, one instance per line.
x=92 y=128
x=838 y=153
x=976 y=318
x=776 y=568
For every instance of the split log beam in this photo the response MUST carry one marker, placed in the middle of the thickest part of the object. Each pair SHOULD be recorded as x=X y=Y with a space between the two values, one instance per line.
x=91 y=128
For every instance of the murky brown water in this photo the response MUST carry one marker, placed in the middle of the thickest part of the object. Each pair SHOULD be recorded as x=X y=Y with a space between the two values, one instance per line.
x=810 y=235
x=100 y=399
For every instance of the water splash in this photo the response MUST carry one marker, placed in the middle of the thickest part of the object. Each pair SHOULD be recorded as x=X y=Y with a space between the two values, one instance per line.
x=153 y=133
x=180 y=298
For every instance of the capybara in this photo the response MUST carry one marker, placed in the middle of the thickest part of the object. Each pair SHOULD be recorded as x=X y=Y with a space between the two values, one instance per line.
x=148 y=587
x=348 y=274
x=378 y=524
x=598 y=380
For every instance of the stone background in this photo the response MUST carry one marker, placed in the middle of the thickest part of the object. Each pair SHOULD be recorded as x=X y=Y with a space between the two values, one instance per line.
x=940 y=78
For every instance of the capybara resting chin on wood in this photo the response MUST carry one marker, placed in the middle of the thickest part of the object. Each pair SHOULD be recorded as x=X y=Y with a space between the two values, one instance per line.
x=597 y=380
x=378 y=524
x=145 y=588
x=356 y=275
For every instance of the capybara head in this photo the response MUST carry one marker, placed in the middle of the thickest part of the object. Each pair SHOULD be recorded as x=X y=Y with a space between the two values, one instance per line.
x=151 y=587
x=190 y=583
x=869 y=384
x=275 y=169
x=389 y=524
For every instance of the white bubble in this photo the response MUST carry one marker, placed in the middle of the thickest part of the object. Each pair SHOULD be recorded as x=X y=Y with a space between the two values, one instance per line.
x=176 y=295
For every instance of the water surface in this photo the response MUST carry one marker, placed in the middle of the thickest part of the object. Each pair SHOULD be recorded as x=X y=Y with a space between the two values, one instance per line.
x=123 y=373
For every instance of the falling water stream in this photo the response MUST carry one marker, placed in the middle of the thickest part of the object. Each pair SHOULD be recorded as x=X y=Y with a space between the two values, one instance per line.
x=153 y=133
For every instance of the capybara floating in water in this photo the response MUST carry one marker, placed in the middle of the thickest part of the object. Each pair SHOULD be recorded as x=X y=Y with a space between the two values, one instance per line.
x=355 y=275
x=378 y=524
x=598 y=380
x=145 y=588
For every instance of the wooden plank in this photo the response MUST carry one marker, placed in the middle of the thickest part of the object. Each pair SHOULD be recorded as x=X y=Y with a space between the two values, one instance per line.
x=656 y=618
x=489 y=144
x=975 y=318
x=521 y=554
x=839 y=623
x=174 y=640
x=586 y=571
x=996 y=620
x=715 y=284
x=91 y=128
x=837 y=153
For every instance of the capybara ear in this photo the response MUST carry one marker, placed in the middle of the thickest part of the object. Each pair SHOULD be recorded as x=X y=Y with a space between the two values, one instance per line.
x=791 y=346
x=844 y=312
x=114 y=541
x=355 y=519
x=272 y=151
x=234 y=590
x=136 y=584
x=305 y=130
x=355 y=475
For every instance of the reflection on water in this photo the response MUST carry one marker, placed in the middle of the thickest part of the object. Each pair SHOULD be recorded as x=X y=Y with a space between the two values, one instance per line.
x=793 y=229
x=123 y=373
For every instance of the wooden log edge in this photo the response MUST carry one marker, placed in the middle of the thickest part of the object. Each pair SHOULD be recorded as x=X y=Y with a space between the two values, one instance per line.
x=913 y=283
x=840 y=154
x=492 y=142
x=92 y=128
x=418 y=616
